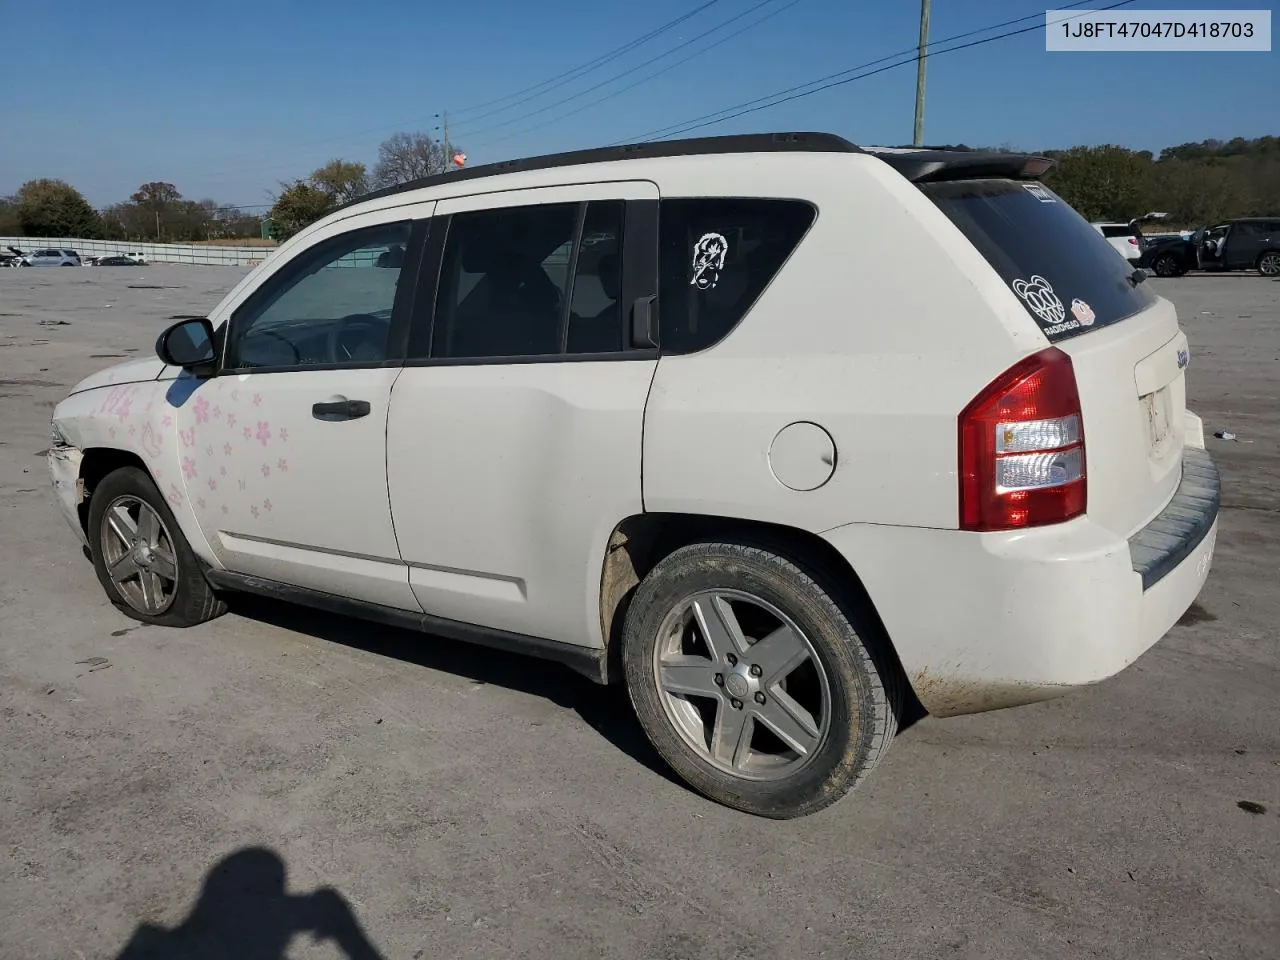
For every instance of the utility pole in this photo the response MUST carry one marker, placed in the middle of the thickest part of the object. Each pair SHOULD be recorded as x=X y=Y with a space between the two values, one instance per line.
x=921 y=56
x=448 y=151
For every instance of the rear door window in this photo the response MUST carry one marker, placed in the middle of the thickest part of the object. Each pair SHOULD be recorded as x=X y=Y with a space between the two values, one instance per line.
x=1064 y=272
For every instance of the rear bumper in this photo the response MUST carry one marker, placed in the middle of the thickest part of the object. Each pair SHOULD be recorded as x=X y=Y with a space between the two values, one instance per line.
x=983 y=621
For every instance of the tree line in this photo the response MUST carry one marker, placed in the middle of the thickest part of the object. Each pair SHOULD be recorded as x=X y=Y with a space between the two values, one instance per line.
x=157 y=211
x=1195 y=183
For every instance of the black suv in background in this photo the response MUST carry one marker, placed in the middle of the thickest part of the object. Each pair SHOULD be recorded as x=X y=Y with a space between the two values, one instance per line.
x=1249 y=243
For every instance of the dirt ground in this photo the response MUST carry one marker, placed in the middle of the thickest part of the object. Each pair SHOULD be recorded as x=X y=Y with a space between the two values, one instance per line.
x=279 y=776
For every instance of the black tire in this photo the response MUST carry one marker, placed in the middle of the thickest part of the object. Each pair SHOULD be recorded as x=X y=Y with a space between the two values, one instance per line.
x=1167 y=265
x=1269 y=264
x=864 y=680
x=193 y=600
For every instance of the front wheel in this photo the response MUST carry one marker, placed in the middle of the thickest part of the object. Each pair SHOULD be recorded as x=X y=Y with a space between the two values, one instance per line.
x=755 y=684
x=143 y=561
x=1269 y=264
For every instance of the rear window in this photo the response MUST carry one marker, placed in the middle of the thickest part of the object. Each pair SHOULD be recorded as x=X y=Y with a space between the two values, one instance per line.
x=1065 y=273
x=1119 y=230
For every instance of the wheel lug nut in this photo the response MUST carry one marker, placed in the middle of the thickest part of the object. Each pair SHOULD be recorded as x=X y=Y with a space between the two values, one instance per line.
x=759 y=697
x=733 y=661
x=755 y=670
x=719 y=679
x=737 y=704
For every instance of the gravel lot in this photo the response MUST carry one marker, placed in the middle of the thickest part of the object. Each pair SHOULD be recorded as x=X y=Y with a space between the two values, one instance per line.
x=460 y=802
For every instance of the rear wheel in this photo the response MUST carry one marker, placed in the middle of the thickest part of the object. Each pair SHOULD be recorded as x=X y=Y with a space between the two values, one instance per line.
x=1167 y=265
x=1269 y=264
x=143 y=561
x=757 y=686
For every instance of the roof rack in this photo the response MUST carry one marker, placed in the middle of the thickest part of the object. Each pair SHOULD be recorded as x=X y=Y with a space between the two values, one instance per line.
x=741 y=143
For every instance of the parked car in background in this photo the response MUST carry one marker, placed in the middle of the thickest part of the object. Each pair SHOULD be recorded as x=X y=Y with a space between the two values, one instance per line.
x=52 y=258
x=117 y=260
x=1125 y=239
x=11 y=257
x=672 y=457
x=1246 y=243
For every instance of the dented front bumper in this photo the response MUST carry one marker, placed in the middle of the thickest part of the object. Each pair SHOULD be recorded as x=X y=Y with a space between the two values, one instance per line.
x=68 y=488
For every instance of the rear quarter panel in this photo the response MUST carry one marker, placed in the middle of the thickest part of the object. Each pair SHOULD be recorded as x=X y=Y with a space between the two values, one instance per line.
x=881 y=326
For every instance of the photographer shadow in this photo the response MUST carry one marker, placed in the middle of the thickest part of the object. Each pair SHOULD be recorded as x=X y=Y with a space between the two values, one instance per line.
x=244 y=912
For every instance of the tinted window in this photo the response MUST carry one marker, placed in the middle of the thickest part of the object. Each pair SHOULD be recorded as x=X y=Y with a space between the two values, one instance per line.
x=1117 y=232
x=330 y=305
x=531 y=281
x=716 y=256
x=1065 y=273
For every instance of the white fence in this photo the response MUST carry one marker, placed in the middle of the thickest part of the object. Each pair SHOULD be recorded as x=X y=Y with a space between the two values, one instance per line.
x=153 y=252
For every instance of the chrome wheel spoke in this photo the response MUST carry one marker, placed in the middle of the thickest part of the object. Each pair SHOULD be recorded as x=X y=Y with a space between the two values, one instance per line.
x=719 y=626
x=122 y=525
x=731 y=736
x=148 y=525
x=122 y=568
x=162 y=564
x=793 y=724
x=689 y=676
x=778 y=654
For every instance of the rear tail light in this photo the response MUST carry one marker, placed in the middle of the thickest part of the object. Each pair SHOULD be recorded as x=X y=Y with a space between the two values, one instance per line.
x=1133 y=241
x=1022 y=461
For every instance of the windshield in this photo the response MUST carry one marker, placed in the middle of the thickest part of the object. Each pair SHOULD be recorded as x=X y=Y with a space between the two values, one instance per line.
x=1068 y=277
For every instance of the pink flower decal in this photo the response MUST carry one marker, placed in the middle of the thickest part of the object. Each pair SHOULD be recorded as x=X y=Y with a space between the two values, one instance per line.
x=226 y=449
x=217 y=413
x=266 y=504
x=111 y=432
x=222 y=471
x=200 y=502
x=254 y=511
x=175 y=496
x=208 y=451
x=213 y=484
x=132 y=429
x=231 y=420
x=202 y=410
x=235 y=394
x=264 y=432
x=188 y=437
x=282 y=465
x=241 y=484
x=150 y=442
x=284 y=434
x=167 y=421
x=257 y=399
x=188 y=467
x=266 y=471
x=248 y=433
x=122 y=412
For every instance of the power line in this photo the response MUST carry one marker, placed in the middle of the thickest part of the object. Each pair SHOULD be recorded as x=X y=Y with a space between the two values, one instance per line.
x=832 y=80
x=548 y=84
x=644 y=79
x=570 y=75
x=625 y=73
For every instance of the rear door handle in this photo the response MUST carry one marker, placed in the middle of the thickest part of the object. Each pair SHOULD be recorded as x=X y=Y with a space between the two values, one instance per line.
x=340 y=410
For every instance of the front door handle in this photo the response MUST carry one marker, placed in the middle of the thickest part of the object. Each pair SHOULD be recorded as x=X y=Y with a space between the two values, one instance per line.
x=340 y=410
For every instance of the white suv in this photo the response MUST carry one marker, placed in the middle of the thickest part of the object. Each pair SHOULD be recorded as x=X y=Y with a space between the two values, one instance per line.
x=671 y=415
x=51 y=258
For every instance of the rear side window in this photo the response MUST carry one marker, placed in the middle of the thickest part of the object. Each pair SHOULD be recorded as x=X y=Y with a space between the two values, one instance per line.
x=1118 y=231
x=716 y=256
x=1065 y=273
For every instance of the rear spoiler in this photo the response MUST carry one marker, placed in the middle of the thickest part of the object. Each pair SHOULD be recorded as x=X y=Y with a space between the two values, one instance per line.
x=931 y=165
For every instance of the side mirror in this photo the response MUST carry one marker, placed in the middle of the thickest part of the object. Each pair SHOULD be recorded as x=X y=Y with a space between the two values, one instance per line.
x=188 y=344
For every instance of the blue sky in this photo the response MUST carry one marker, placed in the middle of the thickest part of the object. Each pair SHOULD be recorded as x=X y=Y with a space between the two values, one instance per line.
x=225 y=100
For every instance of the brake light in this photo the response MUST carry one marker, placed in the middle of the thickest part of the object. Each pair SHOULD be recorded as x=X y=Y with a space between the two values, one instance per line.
x=1022 y=461
x=1133 y=241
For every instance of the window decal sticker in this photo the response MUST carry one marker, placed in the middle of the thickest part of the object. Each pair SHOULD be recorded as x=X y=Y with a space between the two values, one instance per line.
x=1083 y=312
x=708 y=260
x=1040 y=192
x=1039 y=296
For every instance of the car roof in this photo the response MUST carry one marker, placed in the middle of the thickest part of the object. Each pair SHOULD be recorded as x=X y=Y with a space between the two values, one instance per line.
x=918 y=164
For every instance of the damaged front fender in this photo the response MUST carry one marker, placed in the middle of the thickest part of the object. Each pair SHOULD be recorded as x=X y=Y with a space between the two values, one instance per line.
x=68 y=487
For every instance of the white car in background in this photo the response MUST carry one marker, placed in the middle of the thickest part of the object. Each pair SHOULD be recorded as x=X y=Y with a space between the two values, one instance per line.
x=1125 y=239
x=733 y=453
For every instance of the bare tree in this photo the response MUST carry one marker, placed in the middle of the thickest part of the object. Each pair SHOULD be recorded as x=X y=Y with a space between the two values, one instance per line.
x=408 y=156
